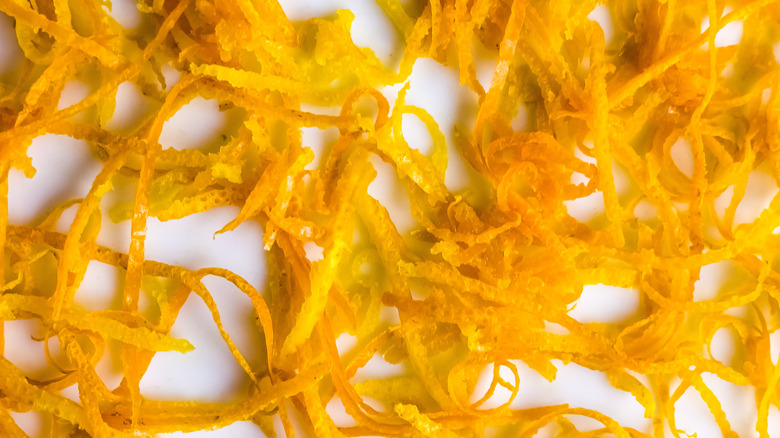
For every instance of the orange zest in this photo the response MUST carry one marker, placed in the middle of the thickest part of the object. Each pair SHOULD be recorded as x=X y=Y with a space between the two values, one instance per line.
x=485 y=271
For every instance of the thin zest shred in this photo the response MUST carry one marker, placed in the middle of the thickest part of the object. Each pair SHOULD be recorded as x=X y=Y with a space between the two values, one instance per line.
x=485 y=270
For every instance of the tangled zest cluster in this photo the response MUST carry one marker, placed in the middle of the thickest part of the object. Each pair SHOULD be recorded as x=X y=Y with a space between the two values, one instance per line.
x=498 y=262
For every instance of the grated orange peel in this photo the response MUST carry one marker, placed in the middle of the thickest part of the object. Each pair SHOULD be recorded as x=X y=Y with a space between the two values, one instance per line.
x=498 y=261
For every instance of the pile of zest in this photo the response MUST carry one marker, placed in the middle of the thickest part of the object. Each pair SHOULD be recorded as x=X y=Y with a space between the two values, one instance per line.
x=484 y=270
